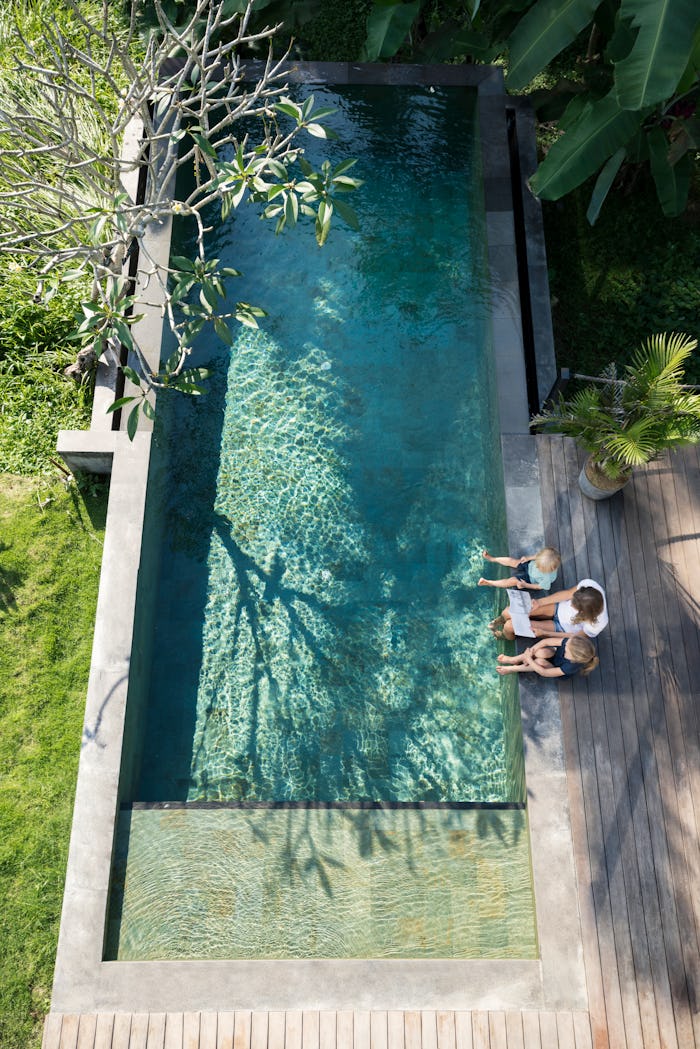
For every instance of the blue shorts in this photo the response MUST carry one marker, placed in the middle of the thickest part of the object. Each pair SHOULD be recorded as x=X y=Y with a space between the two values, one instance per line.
x=557 y=625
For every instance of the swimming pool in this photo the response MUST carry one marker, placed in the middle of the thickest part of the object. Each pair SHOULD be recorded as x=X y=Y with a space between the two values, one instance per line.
x=313 y=644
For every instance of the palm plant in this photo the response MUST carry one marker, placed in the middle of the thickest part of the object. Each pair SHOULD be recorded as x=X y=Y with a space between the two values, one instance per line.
x=626 y=421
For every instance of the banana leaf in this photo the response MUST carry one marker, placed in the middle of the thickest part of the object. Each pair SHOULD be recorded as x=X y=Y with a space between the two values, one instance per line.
x=603 y=183
x=651 y=71
x=388 y=24
x=546 y=29
x=672 y=180
x=600 y=130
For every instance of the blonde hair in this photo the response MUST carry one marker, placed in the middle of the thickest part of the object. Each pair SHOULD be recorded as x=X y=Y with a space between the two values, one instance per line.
x=588 y=603
x=582 y=650
x=548 y=559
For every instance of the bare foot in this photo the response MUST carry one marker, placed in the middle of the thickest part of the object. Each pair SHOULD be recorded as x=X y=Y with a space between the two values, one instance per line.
x=506 y=670
x=484 y=582
x=496 y=623
x=505 y=659
x=486 y=555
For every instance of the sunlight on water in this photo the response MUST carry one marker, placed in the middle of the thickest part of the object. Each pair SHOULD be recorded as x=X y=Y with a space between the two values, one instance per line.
x=328 y=501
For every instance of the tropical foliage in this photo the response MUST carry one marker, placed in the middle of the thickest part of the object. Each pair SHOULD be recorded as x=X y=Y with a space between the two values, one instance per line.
x=636 y=100
x=626 y=420
x=69 y=199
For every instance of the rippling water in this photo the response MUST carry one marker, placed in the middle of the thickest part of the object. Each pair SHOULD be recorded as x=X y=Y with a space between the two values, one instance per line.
x=319 y=634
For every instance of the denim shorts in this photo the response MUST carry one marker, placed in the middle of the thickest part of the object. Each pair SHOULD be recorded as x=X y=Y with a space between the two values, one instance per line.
x=557 y=625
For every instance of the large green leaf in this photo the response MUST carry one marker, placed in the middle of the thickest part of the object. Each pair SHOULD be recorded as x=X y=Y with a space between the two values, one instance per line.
x=546 y=29
x=600 y=130
x=661 y=51
x=603 y=183
x=672 y=181
x=388 y=24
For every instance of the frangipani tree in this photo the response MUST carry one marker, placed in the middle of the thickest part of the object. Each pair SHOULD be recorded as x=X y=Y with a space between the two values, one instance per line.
x=69 y=208
x=637 y=100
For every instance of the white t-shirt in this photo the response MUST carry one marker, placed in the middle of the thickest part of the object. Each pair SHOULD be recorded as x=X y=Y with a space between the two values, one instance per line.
x=566 y=614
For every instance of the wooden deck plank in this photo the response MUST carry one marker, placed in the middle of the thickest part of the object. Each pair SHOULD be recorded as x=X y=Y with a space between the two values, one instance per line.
x=378 y=1030
x=395 y=1029
x=208 y=1027
x=566 y=1038
x=361 y=1029
x=498 y=1034
x=293 y=1028
x=275 y=1030
x=531 y=1031
x=480 y=1029
x=344 y=1029
x=155 y=1037
x=258 y=1028
x=103 y=1031
x=121 y=1031
x=412 y=1031
x=327 y=1029
x=51 y=1035
x=139 y=1031
x=190 y=1030
x=69 y=1031
x=87 y=1026
x=514 y=1030
x=549 y=1035
x=310 y=1029
x=224 y=1031
x=463 y=1030
x=174 y=1030
x=582 y=1030
x=428 y=1020
x=446 y=1038
x=242 y=1023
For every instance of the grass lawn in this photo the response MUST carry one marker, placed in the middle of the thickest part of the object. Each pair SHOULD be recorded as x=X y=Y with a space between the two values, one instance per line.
x=49 y=571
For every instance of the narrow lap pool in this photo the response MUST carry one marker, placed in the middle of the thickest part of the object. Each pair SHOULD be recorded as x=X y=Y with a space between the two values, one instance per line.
x=321 y=760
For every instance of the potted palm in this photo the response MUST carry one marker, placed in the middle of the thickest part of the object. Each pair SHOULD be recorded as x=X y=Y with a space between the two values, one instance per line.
x=626 y=420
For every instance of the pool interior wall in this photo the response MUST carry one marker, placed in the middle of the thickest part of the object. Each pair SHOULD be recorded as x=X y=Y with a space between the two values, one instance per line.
x=83 y=982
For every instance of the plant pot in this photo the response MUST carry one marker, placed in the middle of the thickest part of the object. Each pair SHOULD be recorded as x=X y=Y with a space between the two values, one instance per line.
x=595 y=484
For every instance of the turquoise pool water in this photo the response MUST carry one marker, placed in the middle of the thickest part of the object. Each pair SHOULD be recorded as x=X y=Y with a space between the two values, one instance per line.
x=320 y=760
x=318 y=631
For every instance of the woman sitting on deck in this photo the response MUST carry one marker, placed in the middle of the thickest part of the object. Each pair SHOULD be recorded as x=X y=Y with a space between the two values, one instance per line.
x=553 y=657
x=580 y=609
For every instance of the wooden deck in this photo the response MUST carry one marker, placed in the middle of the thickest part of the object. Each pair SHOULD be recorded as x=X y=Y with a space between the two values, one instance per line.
x=632 y=746
x=633 y=766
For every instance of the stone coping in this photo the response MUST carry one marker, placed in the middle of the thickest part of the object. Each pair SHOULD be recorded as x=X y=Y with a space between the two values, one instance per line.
x=83 y=981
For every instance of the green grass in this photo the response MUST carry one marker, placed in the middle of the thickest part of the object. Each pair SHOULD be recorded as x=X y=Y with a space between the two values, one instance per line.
x=49 y=569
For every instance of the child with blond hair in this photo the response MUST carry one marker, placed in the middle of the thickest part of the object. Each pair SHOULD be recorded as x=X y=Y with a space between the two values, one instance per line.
x=536 y=572
x=553 y=657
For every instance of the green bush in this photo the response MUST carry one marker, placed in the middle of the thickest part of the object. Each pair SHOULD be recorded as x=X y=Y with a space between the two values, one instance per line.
x=631 y=275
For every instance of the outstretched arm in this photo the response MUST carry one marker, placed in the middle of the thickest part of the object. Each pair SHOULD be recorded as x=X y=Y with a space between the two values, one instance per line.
x=560 y=595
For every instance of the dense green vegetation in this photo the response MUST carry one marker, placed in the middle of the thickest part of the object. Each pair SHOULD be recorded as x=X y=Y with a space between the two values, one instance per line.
x=631 y=275
x=49 y=566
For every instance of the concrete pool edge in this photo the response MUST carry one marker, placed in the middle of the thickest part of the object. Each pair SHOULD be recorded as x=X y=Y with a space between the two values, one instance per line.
x=85 y=983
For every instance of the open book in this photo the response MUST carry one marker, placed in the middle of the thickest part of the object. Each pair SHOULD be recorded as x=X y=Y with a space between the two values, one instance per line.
x=520 y=605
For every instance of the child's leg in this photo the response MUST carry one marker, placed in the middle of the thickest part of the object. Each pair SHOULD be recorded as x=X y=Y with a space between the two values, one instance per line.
x=519 y=669
x=500 y=583
x=507 y=562
x=511 y=660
